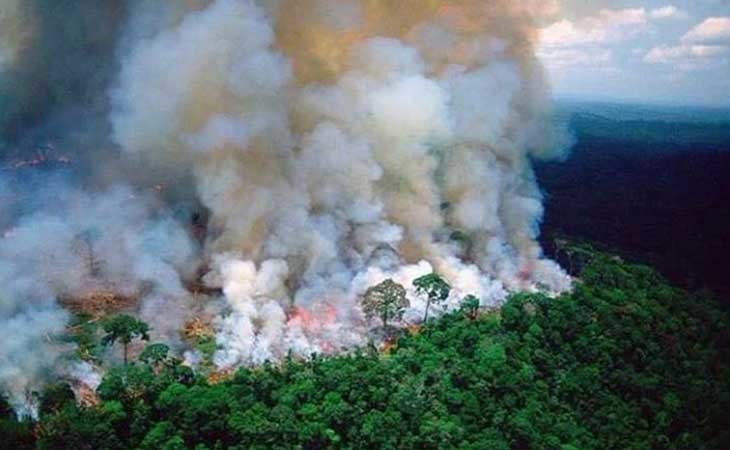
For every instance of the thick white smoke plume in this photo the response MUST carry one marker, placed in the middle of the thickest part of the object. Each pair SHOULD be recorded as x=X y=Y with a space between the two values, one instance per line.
x=331 y=143
x=322 y=132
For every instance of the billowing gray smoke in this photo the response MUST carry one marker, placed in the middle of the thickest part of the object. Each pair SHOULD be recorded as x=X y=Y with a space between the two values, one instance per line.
x=76 y=243
x=56 y=61
x=330 y=144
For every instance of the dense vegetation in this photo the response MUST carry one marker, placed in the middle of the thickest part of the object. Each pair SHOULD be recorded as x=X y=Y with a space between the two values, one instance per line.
x=651 y=182
x=623 y=362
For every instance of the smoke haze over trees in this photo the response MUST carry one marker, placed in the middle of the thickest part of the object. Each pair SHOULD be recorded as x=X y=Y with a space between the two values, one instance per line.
x=251 y=168
x=625 y=361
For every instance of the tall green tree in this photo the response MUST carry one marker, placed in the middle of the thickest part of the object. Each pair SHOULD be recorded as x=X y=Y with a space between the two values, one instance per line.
x=54 y=397
x=124 y=329
x=154 y=354
x=386 y=300
x=16 y=433
x=470 y=306
x=434 y=287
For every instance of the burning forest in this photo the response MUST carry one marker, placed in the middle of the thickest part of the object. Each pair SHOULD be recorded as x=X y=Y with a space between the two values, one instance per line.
x=240 y=173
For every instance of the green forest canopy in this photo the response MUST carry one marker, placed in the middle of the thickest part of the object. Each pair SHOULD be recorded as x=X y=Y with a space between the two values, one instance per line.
x=623 y=362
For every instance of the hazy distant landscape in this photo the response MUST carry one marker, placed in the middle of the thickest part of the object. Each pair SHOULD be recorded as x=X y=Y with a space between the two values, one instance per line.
x=652 y=182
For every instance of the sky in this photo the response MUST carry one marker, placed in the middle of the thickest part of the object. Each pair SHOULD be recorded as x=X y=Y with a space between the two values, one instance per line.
x=655 y=51
x=650 y=51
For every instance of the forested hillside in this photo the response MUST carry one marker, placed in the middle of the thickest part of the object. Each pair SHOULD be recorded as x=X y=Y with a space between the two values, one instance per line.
x=623 y=362
x=650 y=183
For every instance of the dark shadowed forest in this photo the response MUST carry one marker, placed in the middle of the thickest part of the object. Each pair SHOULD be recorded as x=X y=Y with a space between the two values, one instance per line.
x=650 y=183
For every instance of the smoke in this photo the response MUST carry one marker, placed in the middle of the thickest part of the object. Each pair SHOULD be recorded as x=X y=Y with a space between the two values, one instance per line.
x=56 y=60
x=329 y=145
x=320 y=131
x=71 y=247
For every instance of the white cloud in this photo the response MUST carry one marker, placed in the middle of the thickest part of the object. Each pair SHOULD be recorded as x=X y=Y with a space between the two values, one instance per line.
x=615 y=51
x=586 y=42
x=556 y=58
x=689 y=57
x=713 y=31
x=706 y=46
x=608 y=26
x=666 y=54
x=668 y=12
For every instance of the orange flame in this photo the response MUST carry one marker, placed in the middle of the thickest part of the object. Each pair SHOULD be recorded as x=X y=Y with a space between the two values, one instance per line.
x=313 y=321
